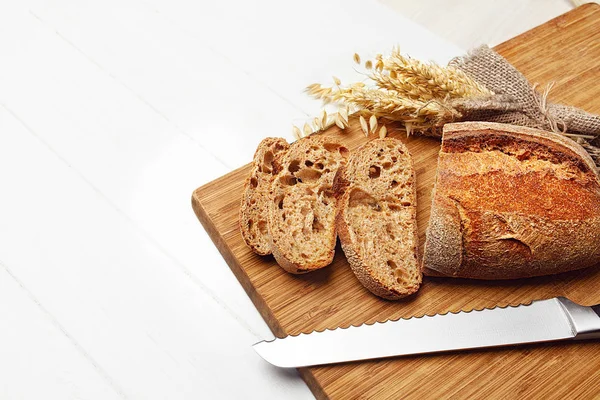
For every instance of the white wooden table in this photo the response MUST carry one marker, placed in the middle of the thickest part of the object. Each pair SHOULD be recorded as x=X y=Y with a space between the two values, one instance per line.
x=111 y=113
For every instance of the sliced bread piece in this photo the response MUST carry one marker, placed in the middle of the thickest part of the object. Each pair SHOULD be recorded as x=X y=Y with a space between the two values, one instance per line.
x=254 y=207
x=303 y=206
x=376 y=218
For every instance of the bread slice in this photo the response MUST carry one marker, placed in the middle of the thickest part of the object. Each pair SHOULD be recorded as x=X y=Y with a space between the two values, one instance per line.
x=302 y=205
x=254 y=207
x=511 y=202
x=377 y=218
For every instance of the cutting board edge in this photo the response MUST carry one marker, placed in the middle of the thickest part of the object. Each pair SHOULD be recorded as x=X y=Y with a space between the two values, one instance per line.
x=258 y=301
x=260 y=304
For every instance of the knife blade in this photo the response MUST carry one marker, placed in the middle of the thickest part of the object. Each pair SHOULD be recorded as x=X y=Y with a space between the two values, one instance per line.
x=541 y=321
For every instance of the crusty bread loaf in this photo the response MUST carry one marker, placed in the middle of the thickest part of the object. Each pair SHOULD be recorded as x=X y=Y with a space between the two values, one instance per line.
x=512 y=202
x=302 y=205
x=376 y=220
x=255 y=200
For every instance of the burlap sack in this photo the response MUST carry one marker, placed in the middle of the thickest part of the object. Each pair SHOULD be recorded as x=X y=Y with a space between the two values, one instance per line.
x=517 y=102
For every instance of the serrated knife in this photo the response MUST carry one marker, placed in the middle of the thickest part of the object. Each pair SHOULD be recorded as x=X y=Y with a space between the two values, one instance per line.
x=540 y=321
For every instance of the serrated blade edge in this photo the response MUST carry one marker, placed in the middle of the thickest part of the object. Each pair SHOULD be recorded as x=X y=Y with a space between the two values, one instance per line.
x=540 y=321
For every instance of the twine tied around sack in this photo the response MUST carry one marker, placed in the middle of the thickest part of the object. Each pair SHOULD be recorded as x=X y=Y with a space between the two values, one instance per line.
x=516 y=101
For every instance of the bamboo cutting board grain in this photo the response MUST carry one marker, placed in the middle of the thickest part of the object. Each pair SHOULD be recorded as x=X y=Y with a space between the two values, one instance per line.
x=565 y=50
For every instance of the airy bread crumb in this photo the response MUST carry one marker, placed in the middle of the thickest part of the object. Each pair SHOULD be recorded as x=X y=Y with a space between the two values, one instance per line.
x=254 y=205
x=376 y=219
x=302 y=205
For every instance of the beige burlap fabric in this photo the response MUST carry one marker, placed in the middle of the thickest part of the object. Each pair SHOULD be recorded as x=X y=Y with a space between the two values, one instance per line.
x=517 y=102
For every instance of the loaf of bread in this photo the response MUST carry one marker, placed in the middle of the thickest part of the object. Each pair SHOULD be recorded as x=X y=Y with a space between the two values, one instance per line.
x=255 y=200
x=511 y=202
x=303 y=206
x=376 y=219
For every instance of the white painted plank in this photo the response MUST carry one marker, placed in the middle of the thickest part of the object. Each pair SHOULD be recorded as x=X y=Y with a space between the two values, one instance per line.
x=121 y=146
x=204 y=64
x=153 y=331
x=37 y=359
x=469 y=23
x=198 y=91
x=288 y=45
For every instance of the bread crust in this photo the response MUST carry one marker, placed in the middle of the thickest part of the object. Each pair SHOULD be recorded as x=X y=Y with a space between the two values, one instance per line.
x=363 y=265
x=254 y=204
x=511 y=202
x=302 y=190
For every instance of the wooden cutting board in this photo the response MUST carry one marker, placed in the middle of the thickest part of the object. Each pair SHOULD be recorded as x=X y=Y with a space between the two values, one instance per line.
x=565 y=50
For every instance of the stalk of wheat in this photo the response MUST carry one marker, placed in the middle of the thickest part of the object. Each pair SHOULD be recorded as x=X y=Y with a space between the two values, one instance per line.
x=400 y=88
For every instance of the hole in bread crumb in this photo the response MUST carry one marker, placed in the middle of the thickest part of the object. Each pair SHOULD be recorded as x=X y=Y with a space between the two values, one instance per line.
x=288 y=180
x=279 y=202
x=402 y=276
x=392 y=264
x=250 y=223
x=308 y=163
x=267 y=166
x=283 y=216
x=325 y=194
x=319 y=165
x=386 y=165
x=331 y=146
x=394 y=184
x=394 y=159
x=316 y=225
x=308 y=175
x=394 y=207
x=390 y=231
x=303 y=255
x=253 y=182
x=374 y=171
x=344 y=152
x=262 y=226
x=294 y=166
x=359 y=197
x=405 y=203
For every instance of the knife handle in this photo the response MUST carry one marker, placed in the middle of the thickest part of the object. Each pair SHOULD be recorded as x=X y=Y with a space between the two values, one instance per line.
x=592 y=331
x=585 y=321
x=596 y=334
